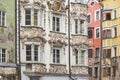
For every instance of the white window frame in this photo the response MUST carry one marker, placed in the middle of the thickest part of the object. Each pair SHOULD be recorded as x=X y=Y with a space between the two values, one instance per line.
x=32 y=51
x=60 y=55
x=55 y=23
x=79 y=54
x=113 y=31
x=4 y=18
x=113 y=14
x=96 y=32
x=79 y=26
x=39 y=16
x=96 y=15
x=1 y=55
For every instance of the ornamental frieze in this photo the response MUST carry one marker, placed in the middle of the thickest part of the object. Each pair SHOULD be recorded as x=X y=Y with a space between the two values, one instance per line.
x=57 y=38
x=57 y=5
x=40 y=3
x=8 y=71
x=78 y=9
x=61 y=69
x=77 y=40
x=79 y=70
x=40 y=68
x=32 y=34
x=24 y=1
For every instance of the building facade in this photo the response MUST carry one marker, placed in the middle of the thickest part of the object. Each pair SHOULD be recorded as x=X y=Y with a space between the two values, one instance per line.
x=7 y=40
x=44 y=40
x=111 y=39
x=94 y=39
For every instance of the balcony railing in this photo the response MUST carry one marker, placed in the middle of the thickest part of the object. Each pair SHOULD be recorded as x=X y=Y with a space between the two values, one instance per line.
x=79 y=70
x=57 y=69
x=36 y=68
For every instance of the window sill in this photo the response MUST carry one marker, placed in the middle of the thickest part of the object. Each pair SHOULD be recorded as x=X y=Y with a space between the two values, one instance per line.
x=58 y=32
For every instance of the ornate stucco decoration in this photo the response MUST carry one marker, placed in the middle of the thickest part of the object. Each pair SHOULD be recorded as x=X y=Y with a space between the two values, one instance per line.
x=79 y=70
x=7 y=71
x=57 y=5
x=78 y=9
x=77 y=40
x=40 y=68
x=24 y=1
x=41 y=3
x=57 y=38
x=60 y=69
x=32 y=34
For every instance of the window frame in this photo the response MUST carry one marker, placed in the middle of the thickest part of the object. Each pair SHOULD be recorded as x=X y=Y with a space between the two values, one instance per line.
x=2 y=23
x=2 y=58
x=97 y=17
x=54 y=28
x=97 y=33
x=33 y=52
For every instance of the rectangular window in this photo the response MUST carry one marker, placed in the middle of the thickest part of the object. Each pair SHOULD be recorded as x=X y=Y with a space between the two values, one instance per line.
x=97 y=15
x=28 y=17
x=114 y=71
x=114 y=14
x=115 y=51
x=82 y=56
x=97 y=52
x=106 y=34
x=89 y=53
x=96 y=72
x=76 y=26
x=89 y=18
x=97 y=33
x=107 y=16
x=56 y=24
x=2 y=55
x=35 y=17
x=36 y=52
x=82 y=26
x=2 y=18
x=56 y=55
x=115 y=31
x=89 y=34
x=107 y=53
x=90 y=72
x=28 y=53
x=76 y=56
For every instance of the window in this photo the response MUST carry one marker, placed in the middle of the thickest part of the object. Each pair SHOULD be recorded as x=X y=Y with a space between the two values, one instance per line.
x=107 y=53
x=79 y=56
x=96 y=72
x=92 y=3
x=89 y=53
x=106 y=34
x=97 y=15
x=107 y=16
x=28 y=53
x=2 y=55
x=82 y=56
x=89 y=34
x=56 y=23
x=90 y=72
x=97 y=33
x=97 y=52
x=89 y=18
x=114 y=14
x=79 y=28
x=56 y=55
x=2 y=18
x=114 y=71
x=115 y=32
x=32 y=52
x=115 y=51
x=31 y=17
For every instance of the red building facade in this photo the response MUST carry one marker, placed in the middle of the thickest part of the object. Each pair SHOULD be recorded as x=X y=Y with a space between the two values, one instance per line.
x=93 y=39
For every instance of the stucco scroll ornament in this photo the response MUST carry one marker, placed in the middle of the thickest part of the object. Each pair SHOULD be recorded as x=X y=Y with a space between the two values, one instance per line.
x=40 y=3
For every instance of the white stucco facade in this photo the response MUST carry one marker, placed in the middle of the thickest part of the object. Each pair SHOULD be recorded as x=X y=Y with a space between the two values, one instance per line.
x=44 y=40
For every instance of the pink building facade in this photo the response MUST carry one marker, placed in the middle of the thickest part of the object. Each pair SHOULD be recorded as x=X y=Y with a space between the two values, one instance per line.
x=94 y=39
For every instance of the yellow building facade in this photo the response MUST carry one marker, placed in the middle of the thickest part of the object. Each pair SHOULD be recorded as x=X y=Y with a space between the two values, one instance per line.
x=110 y=39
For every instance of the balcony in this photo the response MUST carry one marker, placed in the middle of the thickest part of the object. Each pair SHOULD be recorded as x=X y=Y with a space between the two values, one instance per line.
x=35 y=68
x=79 y=39
x=114 y=61
x=57 y=69
x=79 y=70
x=57 y=38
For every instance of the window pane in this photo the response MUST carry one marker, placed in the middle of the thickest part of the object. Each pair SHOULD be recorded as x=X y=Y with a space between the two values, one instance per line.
x=3 y=18
x=0 y=18
x=76 y=26
x=28 y=17
x=36 y=53
x=35 y=17
x=53 y=23
x=28 y=53
x=97 y=33
x=58 y=24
